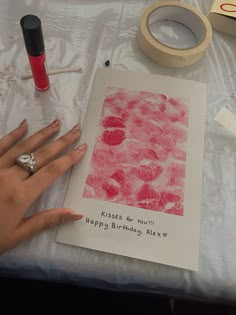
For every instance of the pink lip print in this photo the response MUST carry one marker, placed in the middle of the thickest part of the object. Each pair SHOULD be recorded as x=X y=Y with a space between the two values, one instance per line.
x=140 y=151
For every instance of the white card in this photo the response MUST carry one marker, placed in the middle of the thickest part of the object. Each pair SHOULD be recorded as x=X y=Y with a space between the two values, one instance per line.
x=139 y=185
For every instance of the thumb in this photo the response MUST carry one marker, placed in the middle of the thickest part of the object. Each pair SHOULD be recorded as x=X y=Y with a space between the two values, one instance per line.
x=45 y=220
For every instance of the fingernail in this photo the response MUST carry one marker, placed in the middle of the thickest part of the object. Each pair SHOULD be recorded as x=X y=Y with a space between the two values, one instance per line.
x=76 y=128
x=55 y=123
x=82 y=147
x=23 y=123
x=74 y=217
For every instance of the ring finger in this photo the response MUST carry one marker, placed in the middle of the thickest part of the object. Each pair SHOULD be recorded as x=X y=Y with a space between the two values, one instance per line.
x=49 y=151
x=29 y=144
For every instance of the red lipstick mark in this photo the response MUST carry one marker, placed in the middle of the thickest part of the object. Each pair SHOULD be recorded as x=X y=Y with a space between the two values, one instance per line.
x=111 y=121
x=119 y=176
x=111 y=190
x=140 y=151
x=113 y=137
x=148 y=172
x=147 y=192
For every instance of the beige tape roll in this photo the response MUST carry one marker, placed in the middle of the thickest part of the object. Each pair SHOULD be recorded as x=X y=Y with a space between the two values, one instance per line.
x=183 y=13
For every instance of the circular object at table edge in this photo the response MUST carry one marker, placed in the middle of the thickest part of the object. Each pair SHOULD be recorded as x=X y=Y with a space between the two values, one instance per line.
x=187 y=15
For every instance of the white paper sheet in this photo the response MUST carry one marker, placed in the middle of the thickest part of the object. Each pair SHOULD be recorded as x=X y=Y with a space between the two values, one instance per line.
x=227 y=119
x=144 y=207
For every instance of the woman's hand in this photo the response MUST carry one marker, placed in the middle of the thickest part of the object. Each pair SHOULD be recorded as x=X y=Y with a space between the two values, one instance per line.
x=19 y=188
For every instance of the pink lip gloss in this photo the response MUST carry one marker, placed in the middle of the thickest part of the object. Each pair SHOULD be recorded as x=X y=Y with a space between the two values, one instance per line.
x=34 y=44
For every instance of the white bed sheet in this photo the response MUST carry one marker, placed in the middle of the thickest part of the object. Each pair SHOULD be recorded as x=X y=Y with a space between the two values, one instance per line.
x=87 y=33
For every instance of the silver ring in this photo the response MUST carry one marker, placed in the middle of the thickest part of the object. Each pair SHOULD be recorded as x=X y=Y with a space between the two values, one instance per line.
x=27 y=161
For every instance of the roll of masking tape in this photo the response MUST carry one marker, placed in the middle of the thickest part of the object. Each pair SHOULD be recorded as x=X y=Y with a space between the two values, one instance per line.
x=178 y=12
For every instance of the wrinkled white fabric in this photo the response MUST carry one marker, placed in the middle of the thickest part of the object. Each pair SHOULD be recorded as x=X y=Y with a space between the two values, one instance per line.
x=87 y=33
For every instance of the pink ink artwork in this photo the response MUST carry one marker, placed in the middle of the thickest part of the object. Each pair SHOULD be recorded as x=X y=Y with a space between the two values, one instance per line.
x=140 y=151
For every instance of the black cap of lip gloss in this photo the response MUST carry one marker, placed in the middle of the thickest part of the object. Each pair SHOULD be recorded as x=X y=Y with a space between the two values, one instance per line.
x=33 y=35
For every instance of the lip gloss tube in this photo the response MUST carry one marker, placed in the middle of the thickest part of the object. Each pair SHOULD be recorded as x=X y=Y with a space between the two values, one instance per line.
x=34 y=44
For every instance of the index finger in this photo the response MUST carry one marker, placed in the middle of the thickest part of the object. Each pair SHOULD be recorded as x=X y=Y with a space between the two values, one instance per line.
x=9 y=140
x=45 y=176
